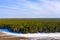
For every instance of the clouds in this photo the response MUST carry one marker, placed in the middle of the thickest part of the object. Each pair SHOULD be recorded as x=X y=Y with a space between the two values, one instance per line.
x=53 y=6
x=29 y=8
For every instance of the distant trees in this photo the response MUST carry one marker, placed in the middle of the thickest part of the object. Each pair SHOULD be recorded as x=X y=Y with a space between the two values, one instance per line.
x=34 y=26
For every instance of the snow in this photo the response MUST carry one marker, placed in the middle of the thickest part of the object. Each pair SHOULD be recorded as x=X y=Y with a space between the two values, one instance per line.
x=40 y=35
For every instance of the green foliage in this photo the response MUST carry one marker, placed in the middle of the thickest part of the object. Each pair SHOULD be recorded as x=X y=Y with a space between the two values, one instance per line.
x=31 y=25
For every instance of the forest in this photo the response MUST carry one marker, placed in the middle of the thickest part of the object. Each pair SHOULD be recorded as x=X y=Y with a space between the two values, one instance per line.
x=31 y=25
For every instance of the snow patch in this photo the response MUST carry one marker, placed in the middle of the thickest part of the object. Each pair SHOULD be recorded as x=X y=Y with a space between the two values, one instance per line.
x=40 y=35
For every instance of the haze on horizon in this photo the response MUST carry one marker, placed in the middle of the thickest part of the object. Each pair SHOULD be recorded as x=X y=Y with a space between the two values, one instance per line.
x=29 y=8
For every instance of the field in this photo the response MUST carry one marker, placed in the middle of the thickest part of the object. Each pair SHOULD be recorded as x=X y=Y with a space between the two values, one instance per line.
x=31 y=25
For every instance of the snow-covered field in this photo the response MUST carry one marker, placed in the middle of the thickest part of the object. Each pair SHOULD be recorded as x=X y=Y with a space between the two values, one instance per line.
x=39 y=35
x=34 y=36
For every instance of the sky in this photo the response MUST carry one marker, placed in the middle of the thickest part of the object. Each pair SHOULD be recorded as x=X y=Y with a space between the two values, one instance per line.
x=29 y=8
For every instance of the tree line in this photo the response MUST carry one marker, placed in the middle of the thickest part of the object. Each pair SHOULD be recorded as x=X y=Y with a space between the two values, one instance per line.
x=31 y=25
x=32 y=28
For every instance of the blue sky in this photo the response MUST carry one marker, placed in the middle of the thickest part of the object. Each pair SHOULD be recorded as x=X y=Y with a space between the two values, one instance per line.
x=29 y=8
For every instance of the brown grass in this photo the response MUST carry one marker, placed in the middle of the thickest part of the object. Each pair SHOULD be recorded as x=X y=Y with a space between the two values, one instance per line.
x=12 y=38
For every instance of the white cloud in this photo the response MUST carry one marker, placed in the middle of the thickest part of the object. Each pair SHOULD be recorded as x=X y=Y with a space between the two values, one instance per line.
x=24 y=8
